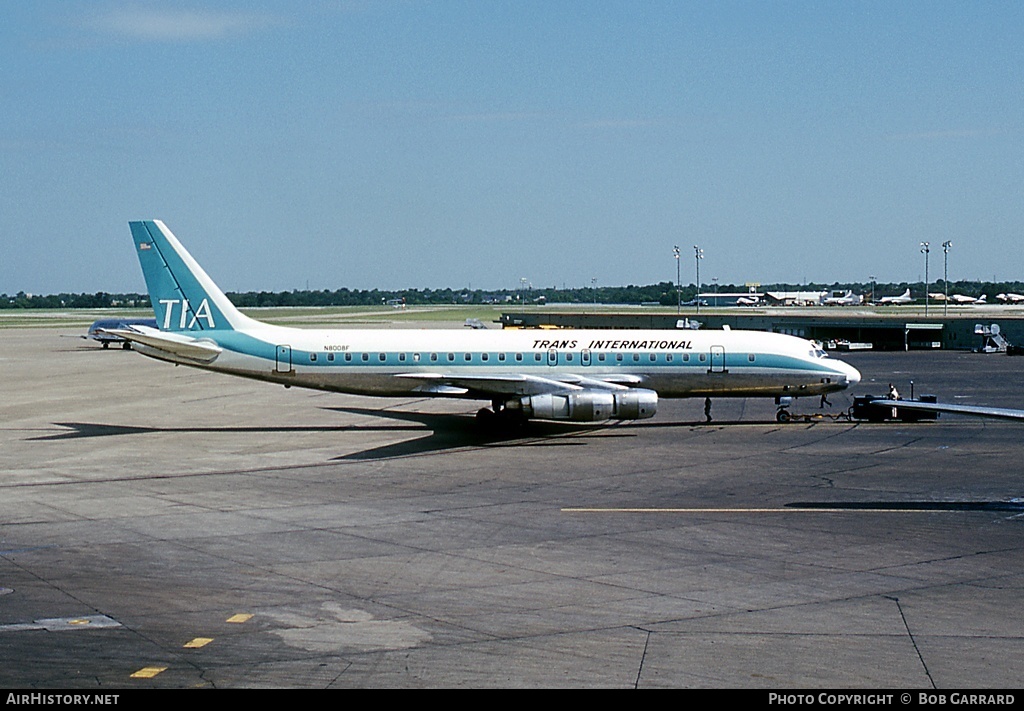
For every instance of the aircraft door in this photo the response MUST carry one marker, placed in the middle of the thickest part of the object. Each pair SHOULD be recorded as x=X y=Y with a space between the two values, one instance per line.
x=717 y=360
x=284 y=359
x=570 y=358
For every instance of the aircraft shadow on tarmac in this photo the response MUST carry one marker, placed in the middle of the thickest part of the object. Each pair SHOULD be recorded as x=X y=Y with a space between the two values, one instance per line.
x=444 y=432
x=79 y=430
x=450 y=432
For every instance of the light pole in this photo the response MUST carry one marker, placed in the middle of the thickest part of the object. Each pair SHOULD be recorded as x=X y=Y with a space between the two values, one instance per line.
x=872 y=278
x=715 y=280
x=925 y=249
x=679 y=298
x=945 y=273
x=698 y=255
x=593 y=287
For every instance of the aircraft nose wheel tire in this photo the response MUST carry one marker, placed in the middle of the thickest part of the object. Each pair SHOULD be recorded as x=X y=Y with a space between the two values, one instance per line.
x=783 y=416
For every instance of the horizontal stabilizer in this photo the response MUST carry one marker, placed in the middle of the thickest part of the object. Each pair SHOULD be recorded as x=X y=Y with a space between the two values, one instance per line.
x=173 y=344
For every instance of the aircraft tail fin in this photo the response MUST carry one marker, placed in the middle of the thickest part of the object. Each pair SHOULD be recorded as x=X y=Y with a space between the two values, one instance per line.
x=184 y=297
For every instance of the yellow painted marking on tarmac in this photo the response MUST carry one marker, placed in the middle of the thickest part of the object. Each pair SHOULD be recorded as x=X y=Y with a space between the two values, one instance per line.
x=198 y=642
x=148 y=672
x=79 y=622
x=749 y=510
x=239 y=618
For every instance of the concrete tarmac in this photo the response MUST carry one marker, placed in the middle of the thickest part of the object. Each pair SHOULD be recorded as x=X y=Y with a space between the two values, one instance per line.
x=163 y=527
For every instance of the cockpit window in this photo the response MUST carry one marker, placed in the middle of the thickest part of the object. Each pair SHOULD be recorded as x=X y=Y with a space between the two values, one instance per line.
x=818 y=353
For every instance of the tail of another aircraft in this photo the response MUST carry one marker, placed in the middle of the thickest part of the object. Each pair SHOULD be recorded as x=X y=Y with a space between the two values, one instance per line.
x=184 y=297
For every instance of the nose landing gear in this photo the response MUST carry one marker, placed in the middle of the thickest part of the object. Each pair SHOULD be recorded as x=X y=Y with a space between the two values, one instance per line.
x=783 y=414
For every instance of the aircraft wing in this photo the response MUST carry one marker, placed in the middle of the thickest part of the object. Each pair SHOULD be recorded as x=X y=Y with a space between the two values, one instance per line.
x=155 y=342
x=979 y=410
x=514 y=383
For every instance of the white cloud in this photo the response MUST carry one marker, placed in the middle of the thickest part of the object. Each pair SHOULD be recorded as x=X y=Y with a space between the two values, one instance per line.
x=180 y=25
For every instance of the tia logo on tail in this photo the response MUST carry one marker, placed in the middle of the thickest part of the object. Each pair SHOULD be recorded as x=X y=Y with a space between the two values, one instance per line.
x=203 y=312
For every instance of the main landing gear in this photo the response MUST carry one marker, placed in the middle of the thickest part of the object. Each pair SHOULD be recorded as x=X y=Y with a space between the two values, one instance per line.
x=500 y=416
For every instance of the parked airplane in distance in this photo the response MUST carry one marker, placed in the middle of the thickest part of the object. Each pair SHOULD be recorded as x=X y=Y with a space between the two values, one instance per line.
x=959 y=299
x=1011 y=298
x=100 y=330
x=847 y=299
x=903 y=298
x=963 y=299
x=577 y=375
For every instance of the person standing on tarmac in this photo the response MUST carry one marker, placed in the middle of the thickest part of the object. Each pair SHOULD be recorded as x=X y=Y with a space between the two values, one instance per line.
x=707 y=409
x=894 y=394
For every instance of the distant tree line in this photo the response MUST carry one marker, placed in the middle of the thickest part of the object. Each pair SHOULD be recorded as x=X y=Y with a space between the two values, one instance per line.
x=663 y=293
x=99 y=300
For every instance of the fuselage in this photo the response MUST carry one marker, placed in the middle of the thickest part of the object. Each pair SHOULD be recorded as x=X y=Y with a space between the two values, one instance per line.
x=679 y=363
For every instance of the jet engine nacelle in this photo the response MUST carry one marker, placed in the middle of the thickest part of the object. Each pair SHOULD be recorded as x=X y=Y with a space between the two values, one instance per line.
x=592 y=405
x=635 y=404
x=584 y=406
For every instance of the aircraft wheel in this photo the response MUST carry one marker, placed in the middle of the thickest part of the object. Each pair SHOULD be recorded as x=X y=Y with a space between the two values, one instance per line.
x=501 y=420
x=511 y=418
x=783 y=416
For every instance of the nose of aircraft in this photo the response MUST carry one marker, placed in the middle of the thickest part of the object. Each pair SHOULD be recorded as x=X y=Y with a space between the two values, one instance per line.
x=851 y=373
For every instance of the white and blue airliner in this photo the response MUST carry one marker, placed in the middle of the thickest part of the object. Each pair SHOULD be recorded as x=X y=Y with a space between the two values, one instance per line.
x=575 y=375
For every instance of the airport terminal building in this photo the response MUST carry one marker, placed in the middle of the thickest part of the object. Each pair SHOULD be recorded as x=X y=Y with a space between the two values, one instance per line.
x=978 y=330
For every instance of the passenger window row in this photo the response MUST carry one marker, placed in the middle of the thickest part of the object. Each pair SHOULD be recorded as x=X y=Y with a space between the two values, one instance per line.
x=504 y=357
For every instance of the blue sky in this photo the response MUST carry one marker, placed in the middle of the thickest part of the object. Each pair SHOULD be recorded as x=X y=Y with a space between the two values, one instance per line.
x=424 y=144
